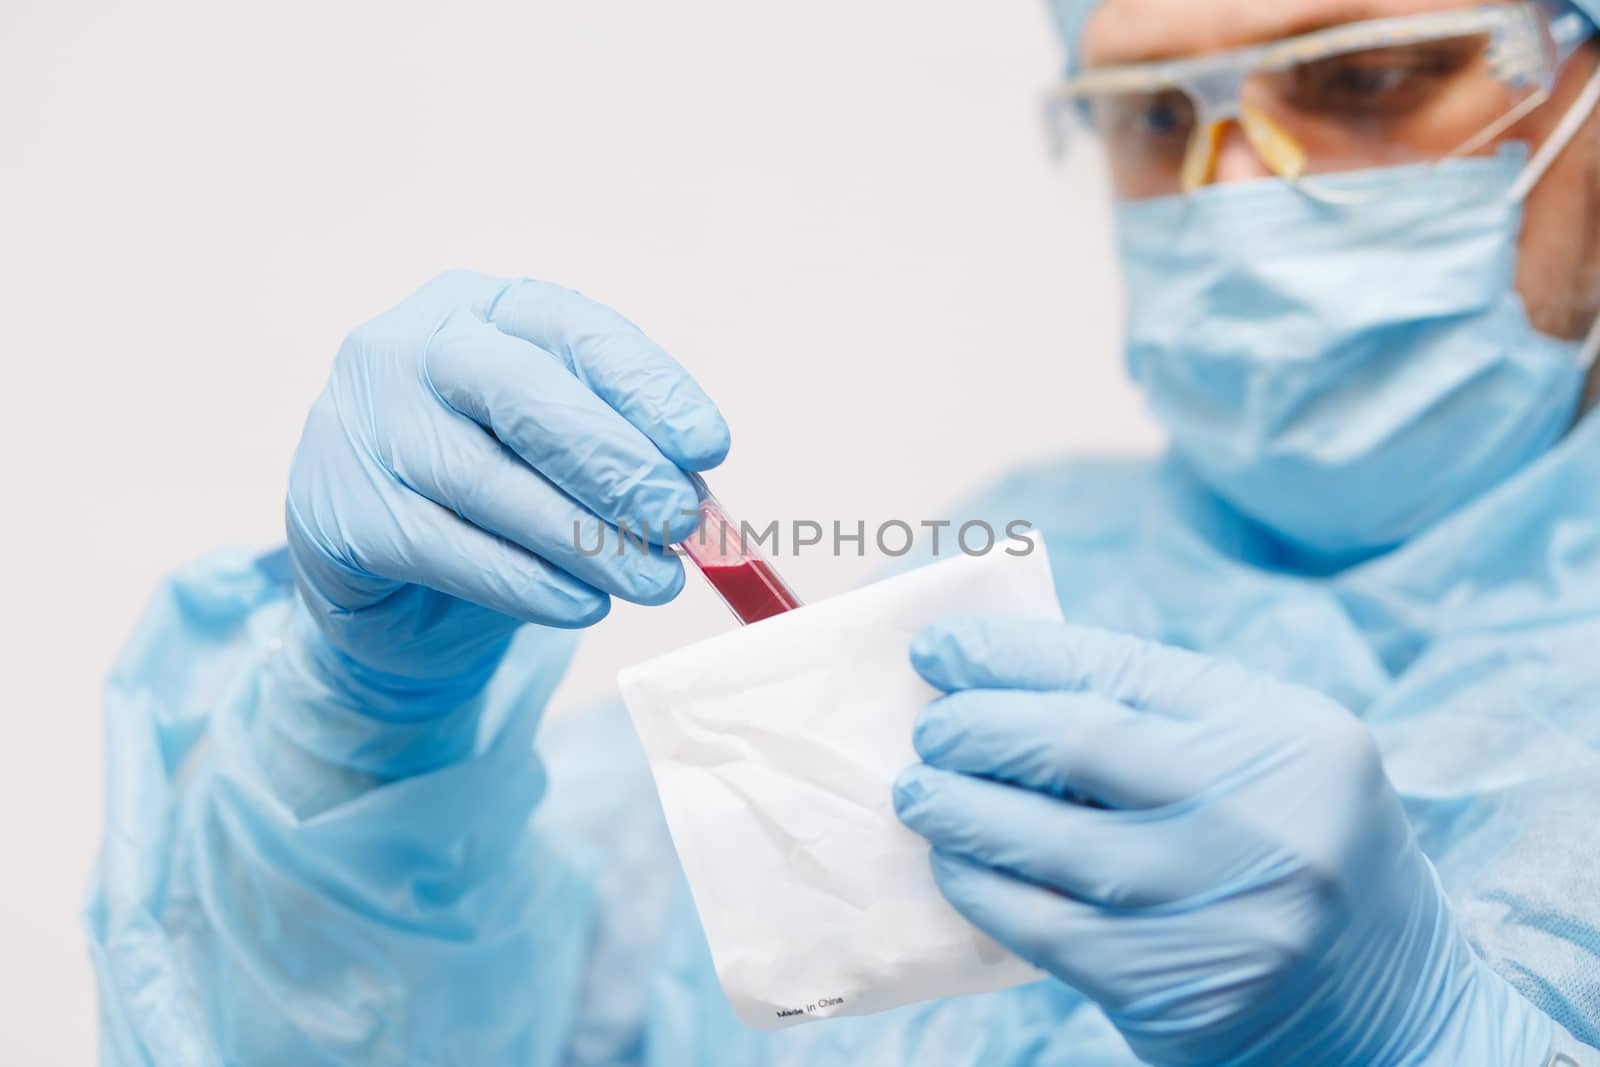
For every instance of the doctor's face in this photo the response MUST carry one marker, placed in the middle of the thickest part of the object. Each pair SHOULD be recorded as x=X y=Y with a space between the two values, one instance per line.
x=1559 y=265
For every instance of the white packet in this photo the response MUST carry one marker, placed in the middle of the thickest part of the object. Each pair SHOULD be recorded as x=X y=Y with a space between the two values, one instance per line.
x=774 y=749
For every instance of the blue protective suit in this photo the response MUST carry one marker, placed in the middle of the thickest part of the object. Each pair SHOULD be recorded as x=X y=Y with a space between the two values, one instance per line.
x=286 y=880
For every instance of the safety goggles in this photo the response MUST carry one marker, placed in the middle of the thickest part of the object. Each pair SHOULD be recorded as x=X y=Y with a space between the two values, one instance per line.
x=1413 y=89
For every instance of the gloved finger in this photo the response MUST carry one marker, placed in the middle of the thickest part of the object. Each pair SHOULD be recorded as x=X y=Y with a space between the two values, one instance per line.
x=440 y=295
x=464 y=468
x=439 y=549
x=614 y=358
x=1006 y=653
x=1116 y=859
x=560 y=428
x=1108 y=955
x=1054 y=933
x=1063 y=743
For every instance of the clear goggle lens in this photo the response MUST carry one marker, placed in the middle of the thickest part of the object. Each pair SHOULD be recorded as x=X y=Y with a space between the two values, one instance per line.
x=1414 y=102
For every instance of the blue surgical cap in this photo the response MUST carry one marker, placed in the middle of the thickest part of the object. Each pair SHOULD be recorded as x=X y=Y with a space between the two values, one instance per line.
x=1072 y=15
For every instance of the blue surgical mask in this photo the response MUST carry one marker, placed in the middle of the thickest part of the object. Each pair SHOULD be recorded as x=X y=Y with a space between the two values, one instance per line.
x=1348 y=374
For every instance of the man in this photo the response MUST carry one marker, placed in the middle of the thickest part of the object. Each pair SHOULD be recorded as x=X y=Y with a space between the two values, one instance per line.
x=1362 y=270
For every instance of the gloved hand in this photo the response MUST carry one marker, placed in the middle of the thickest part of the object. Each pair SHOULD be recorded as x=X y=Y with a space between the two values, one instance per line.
x=1250 y=894
x=468 y=442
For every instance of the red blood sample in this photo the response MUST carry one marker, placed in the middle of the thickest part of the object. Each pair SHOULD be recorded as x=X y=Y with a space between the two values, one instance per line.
x=746 y=582
x=752 y=590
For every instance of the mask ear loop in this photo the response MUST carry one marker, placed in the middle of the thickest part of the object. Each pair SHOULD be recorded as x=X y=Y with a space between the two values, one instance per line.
x=1591 y=347
x=1559 y=139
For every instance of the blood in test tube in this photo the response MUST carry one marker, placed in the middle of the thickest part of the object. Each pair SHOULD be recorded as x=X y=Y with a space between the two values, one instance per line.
x=744 y=580
x=752 y=590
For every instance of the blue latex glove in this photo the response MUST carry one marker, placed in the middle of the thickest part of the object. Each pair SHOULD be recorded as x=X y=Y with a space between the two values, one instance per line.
x=1253 y=895
x=463 y=439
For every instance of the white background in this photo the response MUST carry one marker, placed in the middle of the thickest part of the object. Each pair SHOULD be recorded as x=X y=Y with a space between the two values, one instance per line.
x=840 y=215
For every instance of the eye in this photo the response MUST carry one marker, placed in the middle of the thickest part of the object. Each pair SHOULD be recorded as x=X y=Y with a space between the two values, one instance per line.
x=1151 y=116
x=1162 y=117
x=1367 y=81
x=1381 y=81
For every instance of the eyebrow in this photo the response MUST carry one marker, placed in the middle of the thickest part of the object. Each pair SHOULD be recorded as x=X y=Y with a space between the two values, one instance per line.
x=1121 y=51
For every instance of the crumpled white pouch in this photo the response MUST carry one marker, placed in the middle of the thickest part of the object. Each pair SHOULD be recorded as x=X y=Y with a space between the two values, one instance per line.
x=774 y=749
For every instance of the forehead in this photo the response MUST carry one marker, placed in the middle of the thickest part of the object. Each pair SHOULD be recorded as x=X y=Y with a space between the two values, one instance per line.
x=1129 y=31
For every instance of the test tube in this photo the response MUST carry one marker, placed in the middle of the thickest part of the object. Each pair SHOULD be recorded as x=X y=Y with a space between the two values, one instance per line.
x=742 y=577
